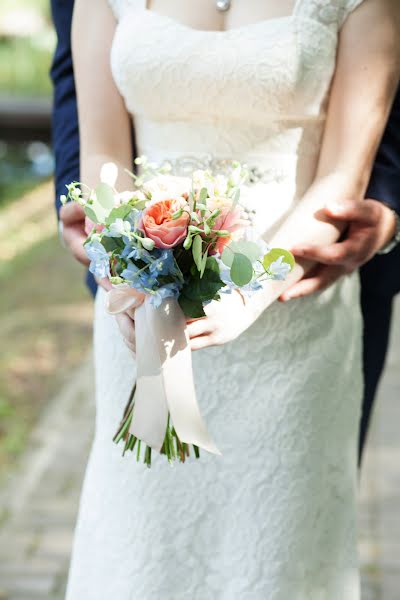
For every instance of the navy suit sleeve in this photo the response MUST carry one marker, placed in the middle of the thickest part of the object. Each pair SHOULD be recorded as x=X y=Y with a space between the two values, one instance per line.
x=65 y=112
x=65 y=117
x=385 y=178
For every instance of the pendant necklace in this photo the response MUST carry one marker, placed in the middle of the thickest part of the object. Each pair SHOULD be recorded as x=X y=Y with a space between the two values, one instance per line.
x=223 y=5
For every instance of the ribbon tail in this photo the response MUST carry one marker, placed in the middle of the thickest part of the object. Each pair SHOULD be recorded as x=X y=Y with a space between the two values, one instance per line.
x=150 y=413
x=170 y=333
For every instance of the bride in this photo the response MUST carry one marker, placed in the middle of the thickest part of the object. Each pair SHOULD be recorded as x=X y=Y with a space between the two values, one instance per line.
x=300 y=91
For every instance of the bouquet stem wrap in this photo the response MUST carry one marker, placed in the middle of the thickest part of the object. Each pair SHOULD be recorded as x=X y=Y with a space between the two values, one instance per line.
x=164 y=371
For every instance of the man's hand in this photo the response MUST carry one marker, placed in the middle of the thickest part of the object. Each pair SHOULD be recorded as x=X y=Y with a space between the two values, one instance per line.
x=73 y=219
x=371 y=225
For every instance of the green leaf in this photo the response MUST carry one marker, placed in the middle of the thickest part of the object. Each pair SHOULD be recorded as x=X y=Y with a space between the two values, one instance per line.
x=121 y=212
x=276 y=253
x=250 y=249
x=236 y=197
x=105 y=196
x=204 y=288
x=203 y=263
x=212 y=265
x=112 y=244
x=191 y=308
x=241 y=270
x=203 y=195
x=197 y=247
x=89 y=212
x=138 y=204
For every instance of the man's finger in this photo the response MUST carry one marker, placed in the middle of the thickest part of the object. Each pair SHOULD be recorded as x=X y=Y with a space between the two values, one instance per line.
x=339 y=253
x=74 y=241
x=72 y=213
x=365 y=211
x=322 y=279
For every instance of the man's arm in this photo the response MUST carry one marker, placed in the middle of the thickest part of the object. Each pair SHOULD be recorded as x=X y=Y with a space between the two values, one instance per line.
x=65 y=118
x=371 y=224
x=384 y=184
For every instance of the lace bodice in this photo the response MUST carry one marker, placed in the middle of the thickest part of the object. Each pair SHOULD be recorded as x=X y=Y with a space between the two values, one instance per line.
x=227 y=75
x=257 y=93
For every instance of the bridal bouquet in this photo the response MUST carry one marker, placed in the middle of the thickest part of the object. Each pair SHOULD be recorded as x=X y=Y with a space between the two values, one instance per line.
x=169 y=247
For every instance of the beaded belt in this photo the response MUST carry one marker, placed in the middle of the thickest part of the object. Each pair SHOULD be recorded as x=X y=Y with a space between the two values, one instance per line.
x=185 y=165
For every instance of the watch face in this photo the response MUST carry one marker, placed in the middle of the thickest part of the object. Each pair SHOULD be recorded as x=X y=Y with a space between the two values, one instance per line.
x=396 y=238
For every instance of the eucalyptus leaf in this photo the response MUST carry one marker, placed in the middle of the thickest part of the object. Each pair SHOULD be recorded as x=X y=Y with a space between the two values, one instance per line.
x=250 y=249
x=105 y=196
x=89 y=212
x=241 y=270
x=120 y=212
x=276 y=253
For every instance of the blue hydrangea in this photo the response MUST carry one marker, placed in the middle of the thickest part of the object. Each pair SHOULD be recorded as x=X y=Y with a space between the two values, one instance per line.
x=170 y=290
x=137 y=252
x=141 y=280
x=279 y=270
x=164 y=264
x=99 y=259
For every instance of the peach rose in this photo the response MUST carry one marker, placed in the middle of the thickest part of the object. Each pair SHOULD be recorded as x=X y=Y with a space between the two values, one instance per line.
x=159 y=226
x=230 y=219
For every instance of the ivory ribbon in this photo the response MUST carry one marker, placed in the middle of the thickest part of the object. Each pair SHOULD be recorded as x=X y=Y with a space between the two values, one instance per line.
x=164 y=371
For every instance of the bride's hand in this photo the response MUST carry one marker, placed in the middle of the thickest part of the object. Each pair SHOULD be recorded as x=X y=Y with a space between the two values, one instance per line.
x=125 y=320
x=126 y=325
x=225 y=320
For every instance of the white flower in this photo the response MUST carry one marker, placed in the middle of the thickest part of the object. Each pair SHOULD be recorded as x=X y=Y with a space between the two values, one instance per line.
x=120 y=228
x=109 y=174
x=167 y=187
x=127 y=196
x=278 y=270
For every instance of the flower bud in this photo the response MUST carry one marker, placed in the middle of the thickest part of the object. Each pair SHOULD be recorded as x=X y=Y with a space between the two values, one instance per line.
x=177 y=214
x=147 y=244
x=188 y=242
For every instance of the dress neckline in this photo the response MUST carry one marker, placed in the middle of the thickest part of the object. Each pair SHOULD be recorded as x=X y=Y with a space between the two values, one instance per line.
x=217 y=32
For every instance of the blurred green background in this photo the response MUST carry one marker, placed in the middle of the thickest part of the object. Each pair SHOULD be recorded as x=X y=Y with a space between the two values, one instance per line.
x=45 y=310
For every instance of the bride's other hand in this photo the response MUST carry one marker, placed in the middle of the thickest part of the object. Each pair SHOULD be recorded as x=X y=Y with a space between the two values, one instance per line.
x=126 y=325
x=225 y=320
x=371 y=225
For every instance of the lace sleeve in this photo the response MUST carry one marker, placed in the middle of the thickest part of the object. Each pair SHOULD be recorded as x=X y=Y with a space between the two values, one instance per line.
x=347 y=7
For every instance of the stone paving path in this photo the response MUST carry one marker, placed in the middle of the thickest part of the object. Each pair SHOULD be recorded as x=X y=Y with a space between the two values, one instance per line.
x=38 y=505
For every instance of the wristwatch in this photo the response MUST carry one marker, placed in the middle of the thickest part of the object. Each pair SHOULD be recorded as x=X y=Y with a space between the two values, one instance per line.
x=395 y=239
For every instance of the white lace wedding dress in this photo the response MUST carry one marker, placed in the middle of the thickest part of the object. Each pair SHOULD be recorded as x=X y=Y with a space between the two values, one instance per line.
x=274 y=517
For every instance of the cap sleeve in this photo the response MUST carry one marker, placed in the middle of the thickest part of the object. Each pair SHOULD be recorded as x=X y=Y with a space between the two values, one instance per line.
x=347 y=7
x=119 y=7
x=116 y=7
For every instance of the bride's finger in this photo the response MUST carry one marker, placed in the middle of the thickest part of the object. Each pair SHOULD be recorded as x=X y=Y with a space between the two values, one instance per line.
x=201 y=342
x=200 y=327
